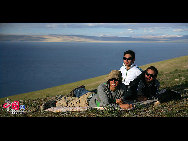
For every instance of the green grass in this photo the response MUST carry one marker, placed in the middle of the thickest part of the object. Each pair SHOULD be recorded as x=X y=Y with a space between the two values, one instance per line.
x=90 y=84
x=173 y=74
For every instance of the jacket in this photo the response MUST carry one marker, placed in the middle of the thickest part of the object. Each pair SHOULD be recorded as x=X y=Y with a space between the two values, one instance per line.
x=139 y=87
x=105 y=97
x=131 y=74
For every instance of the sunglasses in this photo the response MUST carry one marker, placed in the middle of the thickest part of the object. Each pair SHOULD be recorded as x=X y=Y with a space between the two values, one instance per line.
x=151 y=75
x=130 y=58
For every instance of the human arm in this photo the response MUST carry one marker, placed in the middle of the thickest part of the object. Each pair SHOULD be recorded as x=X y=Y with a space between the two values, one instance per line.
x=119 y=101
x=122 y=105
x=102 y=95
x=126 y=106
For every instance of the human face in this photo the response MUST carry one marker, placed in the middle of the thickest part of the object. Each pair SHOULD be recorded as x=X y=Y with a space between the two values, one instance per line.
x=113 y=84
x=129 y=61
x=149 y=75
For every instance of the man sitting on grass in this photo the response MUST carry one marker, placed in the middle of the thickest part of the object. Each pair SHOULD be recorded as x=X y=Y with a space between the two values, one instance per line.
x=143 y=88
x=111 y=92
x=146 y=88
x=129 y=69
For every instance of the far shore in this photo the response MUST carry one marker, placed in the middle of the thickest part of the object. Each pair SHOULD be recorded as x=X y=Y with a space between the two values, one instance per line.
x=54 y=41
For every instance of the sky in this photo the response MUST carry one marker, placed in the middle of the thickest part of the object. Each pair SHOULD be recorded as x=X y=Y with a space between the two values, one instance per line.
x=143 y=30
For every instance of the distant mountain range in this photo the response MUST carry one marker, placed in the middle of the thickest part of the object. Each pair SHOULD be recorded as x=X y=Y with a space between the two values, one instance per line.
x=82 y=38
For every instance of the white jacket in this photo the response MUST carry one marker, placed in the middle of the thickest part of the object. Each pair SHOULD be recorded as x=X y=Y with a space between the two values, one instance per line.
x=131 y=74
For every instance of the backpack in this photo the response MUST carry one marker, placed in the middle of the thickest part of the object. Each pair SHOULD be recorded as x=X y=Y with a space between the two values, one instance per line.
x=79 y=91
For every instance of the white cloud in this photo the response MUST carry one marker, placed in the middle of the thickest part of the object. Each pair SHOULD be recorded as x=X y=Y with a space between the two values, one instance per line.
x=169 y=36
x=178 y=30
x=159 y=36
x=150 y=29
x=130 y=30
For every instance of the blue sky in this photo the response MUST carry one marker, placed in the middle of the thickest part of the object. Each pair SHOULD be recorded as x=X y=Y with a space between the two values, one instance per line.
x=145 y=30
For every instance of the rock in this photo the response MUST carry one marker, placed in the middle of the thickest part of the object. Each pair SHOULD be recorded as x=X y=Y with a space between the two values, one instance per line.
x=183 y=78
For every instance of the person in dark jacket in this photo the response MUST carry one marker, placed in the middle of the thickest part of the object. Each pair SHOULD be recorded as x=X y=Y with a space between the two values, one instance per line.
x=145 y=86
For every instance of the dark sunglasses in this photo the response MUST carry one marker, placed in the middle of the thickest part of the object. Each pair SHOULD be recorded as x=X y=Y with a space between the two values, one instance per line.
x=151 y=75
x=130 y=58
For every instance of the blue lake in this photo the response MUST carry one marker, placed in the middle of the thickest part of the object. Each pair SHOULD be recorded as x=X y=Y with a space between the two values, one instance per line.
x=31 y=66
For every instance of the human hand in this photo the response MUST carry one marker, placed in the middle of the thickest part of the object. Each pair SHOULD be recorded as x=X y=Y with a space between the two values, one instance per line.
x=126 y=106
x=119 y=101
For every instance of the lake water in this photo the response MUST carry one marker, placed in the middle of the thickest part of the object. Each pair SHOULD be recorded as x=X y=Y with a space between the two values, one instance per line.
x=31 y=66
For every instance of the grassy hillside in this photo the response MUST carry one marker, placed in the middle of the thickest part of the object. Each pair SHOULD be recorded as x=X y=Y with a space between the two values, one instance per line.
x=173 y=73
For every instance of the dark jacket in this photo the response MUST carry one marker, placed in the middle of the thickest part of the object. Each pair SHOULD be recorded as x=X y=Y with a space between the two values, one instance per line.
x=139 y=87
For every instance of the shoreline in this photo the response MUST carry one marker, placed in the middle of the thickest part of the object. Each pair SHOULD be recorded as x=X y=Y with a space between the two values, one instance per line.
x=103 y=41
x=164 y=66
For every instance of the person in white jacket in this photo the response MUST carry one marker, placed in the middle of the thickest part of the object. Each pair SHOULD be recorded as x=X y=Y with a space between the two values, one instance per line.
x=129 y=70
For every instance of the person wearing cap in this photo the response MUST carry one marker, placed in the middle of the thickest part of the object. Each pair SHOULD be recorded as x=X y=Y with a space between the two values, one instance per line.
x=111 y=93
x=129 y=70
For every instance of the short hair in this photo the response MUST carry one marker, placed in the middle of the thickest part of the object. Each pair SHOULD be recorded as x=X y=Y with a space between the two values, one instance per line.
x=132 y=53
x=154 y=69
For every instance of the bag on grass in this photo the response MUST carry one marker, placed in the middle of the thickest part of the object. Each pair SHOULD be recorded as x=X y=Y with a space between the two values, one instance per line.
x=49 y=104
x=166 y=95
x=79 y=91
